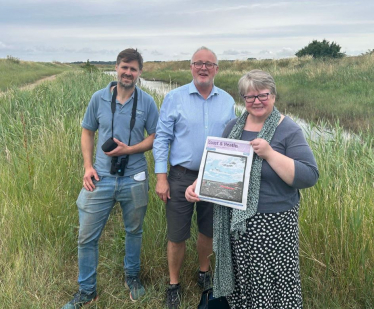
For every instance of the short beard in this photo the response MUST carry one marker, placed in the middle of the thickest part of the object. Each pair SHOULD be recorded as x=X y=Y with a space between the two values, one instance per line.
x=204 y=84
x=127 y=86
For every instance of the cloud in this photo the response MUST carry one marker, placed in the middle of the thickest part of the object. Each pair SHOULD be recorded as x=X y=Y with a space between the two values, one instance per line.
x=174 y=29
x=156 y=53
x=231 y=52
x=285 y=52
x=266 y=53
x=5 y=47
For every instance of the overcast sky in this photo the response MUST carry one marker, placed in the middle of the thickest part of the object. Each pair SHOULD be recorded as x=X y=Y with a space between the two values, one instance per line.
x=77 y=30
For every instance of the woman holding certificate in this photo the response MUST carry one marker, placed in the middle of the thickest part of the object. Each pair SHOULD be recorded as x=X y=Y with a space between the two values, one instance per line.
x=257 y=250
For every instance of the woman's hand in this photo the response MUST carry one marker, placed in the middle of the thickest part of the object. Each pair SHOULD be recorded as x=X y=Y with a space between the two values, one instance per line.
x=190 y=194
x=281 y=164
x=262 y=148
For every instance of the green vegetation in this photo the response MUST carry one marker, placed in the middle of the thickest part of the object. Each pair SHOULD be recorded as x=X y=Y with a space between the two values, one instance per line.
x=16 y=73
x=90 y=68
x=368 y=52
x=41 y=176
x=13 y=59
x=336 y=221
x=315 y=90
x=323 y=49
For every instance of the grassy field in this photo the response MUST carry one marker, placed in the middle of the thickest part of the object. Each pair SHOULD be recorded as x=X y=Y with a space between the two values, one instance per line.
x=15 y=72
x=332 y=90
x=40 y=178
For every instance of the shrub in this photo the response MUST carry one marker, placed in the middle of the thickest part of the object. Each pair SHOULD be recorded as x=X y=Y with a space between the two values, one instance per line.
x=89 y=67
x=369 y=52
x=323 y=49
x=12 y=59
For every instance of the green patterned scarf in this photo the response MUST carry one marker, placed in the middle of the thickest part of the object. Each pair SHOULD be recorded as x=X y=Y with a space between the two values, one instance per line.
x=224 y=224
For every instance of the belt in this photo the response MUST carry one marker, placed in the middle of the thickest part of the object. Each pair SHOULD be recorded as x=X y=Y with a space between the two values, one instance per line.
x=185 y=170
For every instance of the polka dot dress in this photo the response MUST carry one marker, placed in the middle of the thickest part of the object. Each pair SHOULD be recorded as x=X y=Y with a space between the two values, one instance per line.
x=266 y=263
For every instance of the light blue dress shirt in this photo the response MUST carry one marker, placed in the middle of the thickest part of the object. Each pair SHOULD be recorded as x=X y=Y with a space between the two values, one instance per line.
x=186 y=119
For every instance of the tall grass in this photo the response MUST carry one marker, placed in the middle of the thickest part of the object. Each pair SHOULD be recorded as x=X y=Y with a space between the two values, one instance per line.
x=337 y=225
x=40 y=178
x=15 y=73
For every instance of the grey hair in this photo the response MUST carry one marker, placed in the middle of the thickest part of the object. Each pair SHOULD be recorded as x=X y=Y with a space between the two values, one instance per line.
x=205 y=48
x=256 y=80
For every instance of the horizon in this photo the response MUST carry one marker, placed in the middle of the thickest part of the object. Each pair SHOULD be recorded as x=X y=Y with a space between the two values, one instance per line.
x=113 y=62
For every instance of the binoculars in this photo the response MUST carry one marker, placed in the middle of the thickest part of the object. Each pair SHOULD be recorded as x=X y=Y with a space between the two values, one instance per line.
x=118 y=166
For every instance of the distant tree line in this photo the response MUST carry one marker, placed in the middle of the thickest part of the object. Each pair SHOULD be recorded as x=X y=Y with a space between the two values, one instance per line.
x=316 y=49
x=96 y=62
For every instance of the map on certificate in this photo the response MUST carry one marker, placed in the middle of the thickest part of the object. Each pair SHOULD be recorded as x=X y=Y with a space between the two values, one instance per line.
x=224 y=172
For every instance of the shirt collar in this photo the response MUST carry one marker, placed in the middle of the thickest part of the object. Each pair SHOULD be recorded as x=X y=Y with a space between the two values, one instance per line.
x=192 y=89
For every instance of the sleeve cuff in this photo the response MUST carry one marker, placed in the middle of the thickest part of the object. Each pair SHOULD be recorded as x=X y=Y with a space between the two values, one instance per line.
x=84 y=125
x=161 y=167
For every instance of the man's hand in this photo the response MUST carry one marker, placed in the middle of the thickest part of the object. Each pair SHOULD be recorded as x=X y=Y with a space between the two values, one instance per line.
x=122 y=149
x=87 y=178
x=162 y=187
x=190 y=194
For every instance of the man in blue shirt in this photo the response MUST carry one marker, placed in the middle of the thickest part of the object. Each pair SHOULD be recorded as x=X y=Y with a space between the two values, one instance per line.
x=188 y=115
x=120 y=113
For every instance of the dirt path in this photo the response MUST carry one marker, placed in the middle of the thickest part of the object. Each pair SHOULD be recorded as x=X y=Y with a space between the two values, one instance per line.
x=31 y=86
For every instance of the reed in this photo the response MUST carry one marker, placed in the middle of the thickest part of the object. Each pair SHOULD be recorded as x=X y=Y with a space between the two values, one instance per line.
x=40 y=178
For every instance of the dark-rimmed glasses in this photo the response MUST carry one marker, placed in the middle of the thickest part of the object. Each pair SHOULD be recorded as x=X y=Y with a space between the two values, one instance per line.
x=199 y=64
x=252 y=98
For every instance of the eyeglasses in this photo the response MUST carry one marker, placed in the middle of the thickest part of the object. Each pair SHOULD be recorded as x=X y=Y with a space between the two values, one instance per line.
x=252 y=98
x=199 y=64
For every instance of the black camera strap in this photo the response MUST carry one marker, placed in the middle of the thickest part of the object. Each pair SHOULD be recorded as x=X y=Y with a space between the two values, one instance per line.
x=133 y=112
x=113 y=105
